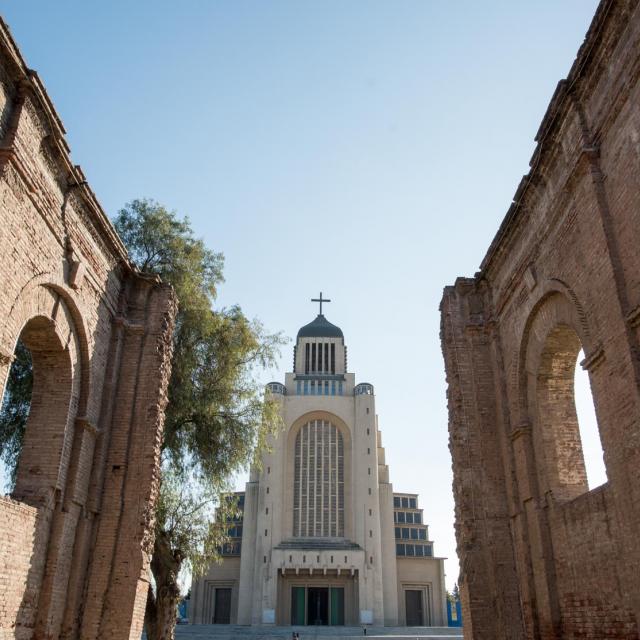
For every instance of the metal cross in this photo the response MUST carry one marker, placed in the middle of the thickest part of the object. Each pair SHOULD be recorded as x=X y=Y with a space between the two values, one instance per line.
x=320 y=300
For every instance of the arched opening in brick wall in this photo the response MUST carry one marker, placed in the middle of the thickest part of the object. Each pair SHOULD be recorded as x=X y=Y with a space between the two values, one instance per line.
x=44 y=444
x=561 y=431
x=589 y=431
x=14 y=412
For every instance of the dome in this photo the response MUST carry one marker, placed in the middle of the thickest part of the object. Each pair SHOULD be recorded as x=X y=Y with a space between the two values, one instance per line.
x=320 y=328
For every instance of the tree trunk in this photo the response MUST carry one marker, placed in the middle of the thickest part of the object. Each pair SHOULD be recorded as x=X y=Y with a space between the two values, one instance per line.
x=161 y=609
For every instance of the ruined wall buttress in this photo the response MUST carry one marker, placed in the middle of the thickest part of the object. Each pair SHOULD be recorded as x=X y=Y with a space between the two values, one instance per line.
x=480 y=490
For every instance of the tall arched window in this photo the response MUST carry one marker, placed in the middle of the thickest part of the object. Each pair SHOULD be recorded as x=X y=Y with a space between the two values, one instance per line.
x=318 y=492
x=561 y=433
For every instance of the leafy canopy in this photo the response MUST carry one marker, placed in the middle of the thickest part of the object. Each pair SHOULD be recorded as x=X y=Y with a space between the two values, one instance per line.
x=216 y=416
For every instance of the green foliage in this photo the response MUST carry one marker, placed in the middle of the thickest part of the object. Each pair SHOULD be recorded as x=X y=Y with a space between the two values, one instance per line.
x=195 y=518
x=15 y=409
x=217 y=418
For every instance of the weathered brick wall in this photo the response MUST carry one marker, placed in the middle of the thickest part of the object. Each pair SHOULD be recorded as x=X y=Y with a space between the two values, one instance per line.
x=541 y=556
x=17 y=532
x=80 y=526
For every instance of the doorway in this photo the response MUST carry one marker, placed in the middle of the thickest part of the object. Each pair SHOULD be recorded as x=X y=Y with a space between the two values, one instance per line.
x=222 y=609
x=317 y=605
x=415 y=610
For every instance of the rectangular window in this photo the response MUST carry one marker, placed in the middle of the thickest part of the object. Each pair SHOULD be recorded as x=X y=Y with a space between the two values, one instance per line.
x=399 y=549
x=306 y=387
x=417 y=518
x=410 y=550
x=395 y=516
x=428 y=550
x=398 y=532
x=401 y=516
x=414 y=534
x=326 y=387
x=298 y=387
x=410 y=518
x=419 y=550
x=320 y=367
x=313 y=357
x=340 y=388
x=313 y=387
x=412 y=503
x=306 y=358
x=405 y=503
x=333 y=387
x=405 y=533
x=333 y=358
x=326 y=357
x=422 y=534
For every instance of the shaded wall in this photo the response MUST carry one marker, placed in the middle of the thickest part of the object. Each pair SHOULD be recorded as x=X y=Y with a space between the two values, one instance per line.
x=542 y=556
x=75 y=536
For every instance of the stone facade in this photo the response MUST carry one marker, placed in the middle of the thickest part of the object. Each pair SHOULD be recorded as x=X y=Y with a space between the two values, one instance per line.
x=76 y=533
x=324 y=538
x=542 y=556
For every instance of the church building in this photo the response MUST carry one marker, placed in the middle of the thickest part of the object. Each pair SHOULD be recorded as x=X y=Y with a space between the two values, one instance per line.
x=323 y=539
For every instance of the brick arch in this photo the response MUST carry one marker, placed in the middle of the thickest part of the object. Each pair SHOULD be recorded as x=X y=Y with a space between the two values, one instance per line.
x=47 y=296
x=556 y=302
x=554 y=334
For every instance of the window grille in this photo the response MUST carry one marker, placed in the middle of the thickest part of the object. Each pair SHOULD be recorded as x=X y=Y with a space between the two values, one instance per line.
x=318 y=493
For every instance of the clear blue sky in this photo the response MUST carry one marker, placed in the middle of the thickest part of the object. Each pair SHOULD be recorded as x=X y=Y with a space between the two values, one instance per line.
x=366 y=149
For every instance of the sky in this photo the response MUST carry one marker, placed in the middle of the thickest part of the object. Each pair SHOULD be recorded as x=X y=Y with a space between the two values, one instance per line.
x=365 y=149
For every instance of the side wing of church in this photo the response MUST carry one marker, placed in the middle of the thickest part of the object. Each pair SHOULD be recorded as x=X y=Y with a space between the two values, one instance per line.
x=323 y=539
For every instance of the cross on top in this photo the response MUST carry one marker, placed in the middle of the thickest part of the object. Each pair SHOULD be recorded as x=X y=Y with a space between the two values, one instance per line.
x=320 y=300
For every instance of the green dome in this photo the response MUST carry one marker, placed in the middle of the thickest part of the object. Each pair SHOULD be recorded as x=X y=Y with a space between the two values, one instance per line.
x=320 y=328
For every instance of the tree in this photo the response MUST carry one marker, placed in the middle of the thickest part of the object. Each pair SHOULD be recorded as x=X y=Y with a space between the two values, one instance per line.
x=217 y=418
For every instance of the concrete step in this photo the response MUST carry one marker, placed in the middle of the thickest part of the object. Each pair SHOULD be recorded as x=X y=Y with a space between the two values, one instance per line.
x=237 y=632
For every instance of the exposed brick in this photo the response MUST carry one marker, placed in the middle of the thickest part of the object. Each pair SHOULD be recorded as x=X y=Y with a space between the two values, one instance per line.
x=542 y=556
x=76 y=535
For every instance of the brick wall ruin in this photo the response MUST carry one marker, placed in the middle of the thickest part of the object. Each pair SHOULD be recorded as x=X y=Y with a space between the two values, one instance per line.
x=75 y=535
x=542 y=556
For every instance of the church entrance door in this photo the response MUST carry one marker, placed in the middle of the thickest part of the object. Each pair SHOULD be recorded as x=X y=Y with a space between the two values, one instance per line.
x=318 y=605
x=415 y=616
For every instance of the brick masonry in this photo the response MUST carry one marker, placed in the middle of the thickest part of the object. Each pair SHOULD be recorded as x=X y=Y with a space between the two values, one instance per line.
x=542 y=556
x=76 y=534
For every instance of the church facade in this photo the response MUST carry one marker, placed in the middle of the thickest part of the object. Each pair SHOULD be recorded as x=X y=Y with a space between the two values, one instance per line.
x=323 y=539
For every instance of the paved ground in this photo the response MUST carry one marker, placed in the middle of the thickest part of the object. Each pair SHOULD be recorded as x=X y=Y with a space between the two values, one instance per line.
x=235 y=632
